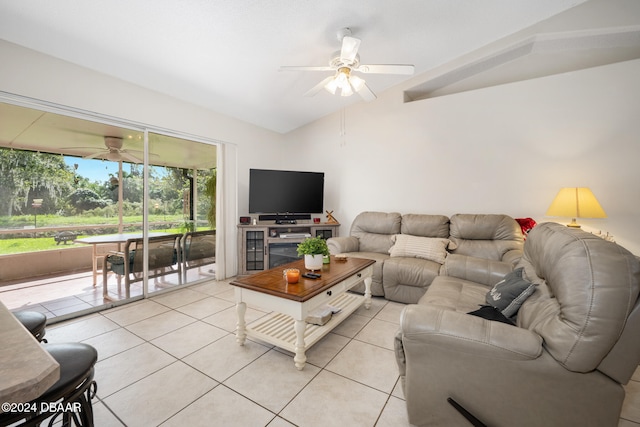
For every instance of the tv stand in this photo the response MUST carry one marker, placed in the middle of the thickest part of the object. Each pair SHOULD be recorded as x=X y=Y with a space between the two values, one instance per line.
x=286 y=221
x=264 y=246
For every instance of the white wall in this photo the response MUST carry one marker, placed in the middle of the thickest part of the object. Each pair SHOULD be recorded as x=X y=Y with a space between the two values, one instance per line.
x=506 y=149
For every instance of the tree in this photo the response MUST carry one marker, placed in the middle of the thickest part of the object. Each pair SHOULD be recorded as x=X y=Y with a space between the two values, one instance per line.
x=25 y=175
x=84 y=199
x=210 y=193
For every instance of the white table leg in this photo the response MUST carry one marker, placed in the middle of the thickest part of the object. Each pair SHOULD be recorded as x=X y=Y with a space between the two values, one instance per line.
x=367 y=293
x=241 y=330
x=94 y=257
x=300 y=358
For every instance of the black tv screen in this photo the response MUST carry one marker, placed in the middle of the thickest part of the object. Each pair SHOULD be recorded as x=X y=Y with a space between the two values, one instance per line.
x=278 y=191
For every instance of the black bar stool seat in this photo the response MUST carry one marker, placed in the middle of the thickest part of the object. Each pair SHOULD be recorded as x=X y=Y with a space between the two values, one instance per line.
x=34 y=321
x=70 y=397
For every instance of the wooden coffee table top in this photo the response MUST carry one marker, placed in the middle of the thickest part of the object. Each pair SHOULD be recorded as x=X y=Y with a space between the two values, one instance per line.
x=272 y=281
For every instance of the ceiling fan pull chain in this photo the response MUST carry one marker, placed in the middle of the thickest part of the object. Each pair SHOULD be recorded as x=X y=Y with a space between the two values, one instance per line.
x=343 y=128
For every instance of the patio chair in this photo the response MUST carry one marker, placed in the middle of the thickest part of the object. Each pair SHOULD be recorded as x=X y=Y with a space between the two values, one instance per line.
x=198 y=249
x=164 y=258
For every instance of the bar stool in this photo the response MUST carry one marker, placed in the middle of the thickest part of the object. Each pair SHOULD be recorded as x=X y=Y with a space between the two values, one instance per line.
x=70 y=397
x=35 y=323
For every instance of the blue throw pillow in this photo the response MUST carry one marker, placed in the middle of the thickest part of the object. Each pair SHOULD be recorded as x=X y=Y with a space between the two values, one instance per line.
x=508 y=294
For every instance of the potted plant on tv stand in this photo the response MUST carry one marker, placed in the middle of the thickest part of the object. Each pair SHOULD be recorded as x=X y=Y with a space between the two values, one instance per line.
x=314 y=250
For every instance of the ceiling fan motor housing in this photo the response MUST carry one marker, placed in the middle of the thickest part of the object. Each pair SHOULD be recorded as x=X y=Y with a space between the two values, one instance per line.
x=337 y=62
x=113 y=142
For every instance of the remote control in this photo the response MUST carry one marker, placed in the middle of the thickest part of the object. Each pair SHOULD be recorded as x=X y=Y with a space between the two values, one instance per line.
x=311 y=275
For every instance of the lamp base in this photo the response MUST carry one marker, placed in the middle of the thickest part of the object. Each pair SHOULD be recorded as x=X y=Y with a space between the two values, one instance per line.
x=573 y=224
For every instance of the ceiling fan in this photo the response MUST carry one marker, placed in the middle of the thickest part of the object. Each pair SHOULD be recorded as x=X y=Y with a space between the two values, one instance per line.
x=344 y=63
x=113 y=151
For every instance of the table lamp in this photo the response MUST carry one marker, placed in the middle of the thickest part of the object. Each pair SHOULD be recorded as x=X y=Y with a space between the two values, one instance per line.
x=576 y=202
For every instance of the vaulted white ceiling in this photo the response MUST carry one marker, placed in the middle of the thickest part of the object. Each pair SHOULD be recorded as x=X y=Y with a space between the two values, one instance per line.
x=225 y=55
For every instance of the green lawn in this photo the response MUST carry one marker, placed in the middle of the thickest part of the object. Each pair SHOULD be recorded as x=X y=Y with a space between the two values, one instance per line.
x=65 y=221
x=31 y=244
x=12 y=246
x=43 y=242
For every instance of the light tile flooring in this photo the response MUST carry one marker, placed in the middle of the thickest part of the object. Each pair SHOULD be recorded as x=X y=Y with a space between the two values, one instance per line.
x=172 y=360
x=61 y=296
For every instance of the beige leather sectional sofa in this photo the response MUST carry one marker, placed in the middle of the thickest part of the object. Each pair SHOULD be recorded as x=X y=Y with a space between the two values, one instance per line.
x=567 y=339
x=574 y=343
x=411 y=250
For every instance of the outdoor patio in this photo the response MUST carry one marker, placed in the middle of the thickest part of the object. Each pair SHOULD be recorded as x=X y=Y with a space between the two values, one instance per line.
x=62 y=295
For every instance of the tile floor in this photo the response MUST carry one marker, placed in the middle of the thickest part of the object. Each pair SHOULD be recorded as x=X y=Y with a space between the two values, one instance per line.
x=172 y=360
x=61 y=296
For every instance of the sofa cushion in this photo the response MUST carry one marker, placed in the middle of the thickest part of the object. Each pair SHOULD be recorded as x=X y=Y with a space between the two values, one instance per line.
x=431 y=248
x=407 y=279
x=375 y=230
x=487 y=236
x=508 y=294
x=481 y=270
x=425 y=225
x=452 y=293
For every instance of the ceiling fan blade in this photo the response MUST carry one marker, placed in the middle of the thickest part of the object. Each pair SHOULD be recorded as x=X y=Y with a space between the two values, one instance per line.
x=96 y=155
x=80 y=148
x=386 y=69
x=366 y=93
x=303 y=68
x=317 y=88
x=349 y=49
x=129 y=157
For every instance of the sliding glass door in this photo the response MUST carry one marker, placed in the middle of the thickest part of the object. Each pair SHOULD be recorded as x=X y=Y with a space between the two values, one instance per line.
x=76 y=191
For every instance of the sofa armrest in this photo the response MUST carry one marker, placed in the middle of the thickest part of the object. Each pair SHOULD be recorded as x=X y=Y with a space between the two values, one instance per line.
x=512 y=257
x=426 y=325
x=338 y=245
x=480 y=270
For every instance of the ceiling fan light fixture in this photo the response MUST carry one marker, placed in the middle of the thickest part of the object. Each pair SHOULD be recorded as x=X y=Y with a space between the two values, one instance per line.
x=342 y=76
x=346 y=90
x=332 y=86
x=357 y=83
x=344 y=81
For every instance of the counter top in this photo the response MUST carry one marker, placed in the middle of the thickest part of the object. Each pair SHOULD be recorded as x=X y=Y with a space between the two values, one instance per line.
x=27 y=370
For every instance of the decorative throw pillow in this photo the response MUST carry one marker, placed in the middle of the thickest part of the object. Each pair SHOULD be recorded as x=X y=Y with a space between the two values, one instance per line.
x=508 y=294
x=431 y=248
x=489 y=312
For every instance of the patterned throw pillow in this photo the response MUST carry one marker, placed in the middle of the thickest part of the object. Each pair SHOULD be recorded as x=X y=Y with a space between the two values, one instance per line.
x=431 y=248
x=508 y=294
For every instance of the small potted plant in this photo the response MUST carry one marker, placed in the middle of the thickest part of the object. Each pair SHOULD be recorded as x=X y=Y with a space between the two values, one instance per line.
x=313 y=249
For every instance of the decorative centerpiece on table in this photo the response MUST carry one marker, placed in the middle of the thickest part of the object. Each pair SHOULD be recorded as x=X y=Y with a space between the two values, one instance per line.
x=314 y=249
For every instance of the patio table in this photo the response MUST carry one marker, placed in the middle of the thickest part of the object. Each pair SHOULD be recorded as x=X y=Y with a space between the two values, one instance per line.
x=111 y=239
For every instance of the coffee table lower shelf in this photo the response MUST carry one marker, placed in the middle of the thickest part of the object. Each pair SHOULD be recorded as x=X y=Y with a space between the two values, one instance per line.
x=279 y=329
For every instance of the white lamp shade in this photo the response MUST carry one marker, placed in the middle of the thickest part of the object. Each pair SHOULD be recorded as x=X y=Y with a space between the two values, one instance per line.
x=332 y=86
x=346 y=90
x=576 y=202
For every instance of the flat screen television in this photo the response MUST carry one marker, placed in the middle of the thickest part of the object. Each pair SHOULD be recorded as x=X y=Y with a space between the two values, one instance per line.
x=285 y=192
